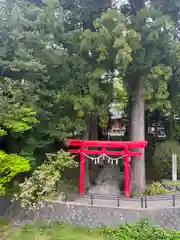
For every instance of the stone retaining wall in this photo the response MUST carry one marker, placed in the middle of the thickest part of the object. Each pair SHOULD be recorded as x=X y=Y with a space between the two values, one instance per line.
x=5 y=203
x=95 y=216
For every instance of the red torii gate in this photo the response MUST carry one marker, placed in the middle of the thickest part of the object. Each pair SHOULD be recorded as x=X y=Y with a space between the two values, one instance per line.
x=83 y=149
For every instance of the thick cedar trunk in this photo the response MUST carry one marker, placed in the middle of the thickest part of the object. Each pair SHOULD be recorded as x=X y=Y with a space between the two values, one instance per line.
x=90 y=133
x=171 y=132
x=137 y=128
x=93 y=135
x=137 y=133
x=172 y=97
x=93 y=128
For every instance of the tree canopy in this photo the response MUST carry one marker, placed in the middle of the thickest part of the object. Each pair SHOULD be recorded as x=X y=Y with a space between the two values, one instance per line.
x=62 y=62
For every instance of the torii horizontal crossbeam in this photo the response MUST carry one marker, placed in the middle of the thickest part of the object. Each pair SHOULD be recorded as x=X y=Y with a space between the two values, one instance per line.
x=107 y=144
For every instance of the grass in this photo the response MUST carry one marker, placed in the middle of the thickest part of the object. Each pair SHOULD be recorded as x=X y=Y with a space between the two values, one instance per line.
x=51 y=232
x=139 y=230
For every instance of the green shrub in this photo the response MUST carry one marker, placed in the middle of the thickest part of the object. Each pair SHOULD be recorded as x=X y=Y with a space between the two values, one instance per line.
x=43 y=182
x=140 y=230
x=162 y=160
x=157 y=188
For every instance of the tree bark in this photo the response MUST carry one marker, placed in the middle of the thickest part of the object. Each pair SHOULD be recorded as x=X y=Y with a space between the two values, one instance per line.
x=171 y=130
x=137 y=133
x=90 y=133
x=137 y=128
x=93 y=135
x=173 y=91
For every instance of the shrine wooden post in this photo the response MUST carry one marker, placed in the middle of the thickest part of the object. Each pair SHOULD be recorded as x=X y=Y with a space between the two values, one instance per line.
x=104 y=145
x=126 y=173
x=82 y=166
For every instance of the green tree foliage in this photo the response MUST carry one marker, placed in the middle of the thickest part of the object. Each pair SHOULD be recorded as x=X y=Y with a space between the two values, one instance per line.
x=108 y=48
x=39 y=64
x=10 y=166
x=82 y=13
x=62 y=69
x=18 y=73
x=156 y=89
x=47 y=77
x=171 y=8
x=16 y=116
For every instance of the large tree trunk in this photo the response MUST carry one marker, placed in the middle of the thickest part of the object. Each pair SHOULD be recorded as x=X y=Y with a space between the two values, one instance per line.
x=94 y=168
x=173 y=89
x=90 y=133
x=171 y=130
x=137 y=133
x=93 y=135
x=137 y=128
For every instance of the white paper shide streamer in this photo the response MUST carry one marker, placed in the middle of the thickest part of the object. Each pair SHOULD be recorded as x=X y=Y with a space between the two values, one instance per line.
x=110 y=160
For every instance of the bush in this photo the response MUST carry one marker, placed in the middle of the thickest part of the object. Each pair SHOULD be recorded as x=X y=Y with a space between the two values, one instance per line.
x=43 y=182
x=157 y=188
x=162 y=160
x=140 y=230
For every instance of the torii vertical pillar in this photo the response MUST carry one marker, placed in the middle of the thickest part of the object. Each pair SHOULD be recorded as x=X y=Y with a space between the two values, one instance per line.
x=81 y=171
x=126 y=173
